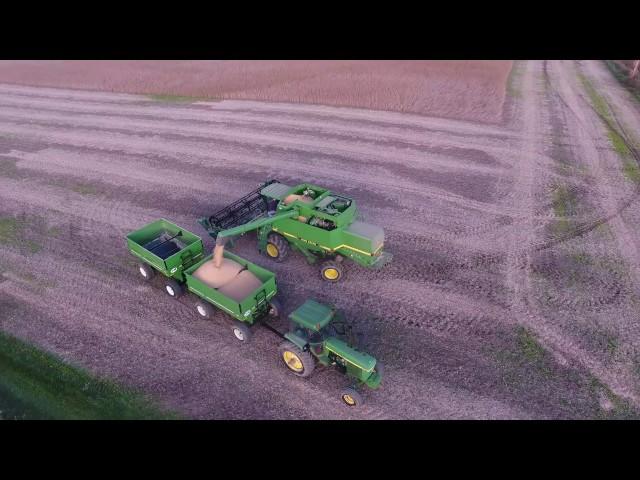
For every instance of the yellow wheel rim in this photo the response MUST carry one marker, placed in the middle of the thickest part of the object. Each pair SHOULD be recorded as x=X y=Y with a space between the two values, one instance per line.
x=331 y=273
x=272 y=250
x=348 y=399
x=292 y=361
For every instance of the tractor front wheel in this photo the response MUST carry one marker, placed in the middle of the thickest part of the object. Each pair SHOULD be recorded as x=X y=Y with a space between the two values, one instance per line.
x=351 y=397
x=277 y=247
x=331 y=271
x=173 y=288
x=299 y=362
x=146 y=272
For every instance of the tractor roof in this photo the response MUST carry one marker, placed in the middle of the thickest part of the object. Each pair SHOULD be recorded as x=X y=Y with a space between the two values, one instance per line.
x=312 y=315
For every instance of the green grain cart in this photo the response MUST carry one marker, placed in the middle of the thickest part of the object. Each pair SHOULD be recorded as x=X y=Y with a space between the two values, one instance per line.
x=310 y=219
x=176 y=253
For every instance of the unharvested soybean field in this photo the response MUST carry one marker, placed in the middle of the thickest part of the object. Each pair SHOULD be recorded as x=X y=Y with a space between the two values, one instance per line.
x=513 y=292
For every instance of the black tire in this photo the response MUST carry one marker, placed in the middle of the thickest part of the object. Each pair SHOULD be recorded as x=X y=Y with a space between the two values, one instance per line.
x=303 y=366
x=146 y=272
x=173 y=288
x=277 y=247
x=331 y=271
x=351 y=397
x=379 y=368
x=275 y=309
x=204 y=309
x=241 y=331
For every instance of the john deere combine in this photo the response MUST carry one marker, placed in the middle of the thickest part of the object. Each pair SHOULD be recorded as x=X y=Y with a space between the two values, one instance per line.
x=316 y=222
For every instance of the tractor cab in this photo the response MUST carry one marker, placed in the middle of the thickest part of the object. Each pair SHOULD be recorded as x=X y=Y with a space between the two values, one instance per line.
x=312 y=316
x=319 y=325
x=315 y=337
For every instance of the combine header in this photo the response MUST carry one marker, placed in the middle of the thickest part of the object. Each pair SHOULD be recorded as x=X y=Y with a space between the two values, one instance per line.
x=310 y=219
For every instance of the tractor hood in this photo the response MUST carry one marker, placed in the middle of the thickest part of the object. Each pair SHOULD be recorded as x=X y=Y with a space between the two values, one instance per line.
x=361 y=360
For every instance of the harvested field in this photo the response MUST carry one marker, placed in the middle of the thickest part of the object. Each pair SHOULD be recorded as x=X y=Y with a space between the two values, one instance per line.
x=472 y=90
x=514 y=289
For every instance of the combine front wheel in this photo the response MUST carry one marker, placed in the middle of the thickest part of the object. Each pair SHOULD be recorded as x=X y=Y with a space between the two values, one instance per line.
x=277 y=247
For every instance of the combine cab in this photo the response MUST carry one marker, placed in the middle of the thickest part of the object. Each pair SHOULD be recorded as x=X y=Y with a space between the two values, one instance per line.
x=310 y=219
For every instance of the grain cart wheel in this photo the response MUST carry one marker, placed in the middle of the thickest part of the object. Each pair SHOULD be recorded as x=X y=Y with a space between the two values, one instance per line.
x=241 y=331
x=173 y=288
x=275 y=308
x=146 y=272
x=300 y=363
x=331 y=271
x=204 y=309
x=277 y=247
x=351 y=397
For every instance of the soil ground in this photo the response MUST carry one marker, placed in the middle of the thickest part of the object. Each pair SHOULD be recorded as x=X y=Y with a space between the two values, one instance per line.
x=514 y=289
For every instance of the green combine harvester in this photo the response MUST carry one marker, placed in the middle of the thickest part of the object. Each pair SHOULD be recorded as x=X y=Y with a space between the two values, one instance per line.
x=316 y=222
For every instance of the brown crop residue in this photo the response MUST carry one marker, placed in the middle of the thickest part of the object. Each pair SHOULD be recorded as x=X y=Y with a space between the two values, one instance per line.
x=472 y=90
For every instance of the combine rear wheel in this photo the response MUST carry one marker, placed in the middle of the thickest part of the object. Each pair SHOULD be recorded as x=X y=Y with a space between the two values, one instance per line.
x=277 y=247
x=351 y=397
x=300 y=363
x=331 y=271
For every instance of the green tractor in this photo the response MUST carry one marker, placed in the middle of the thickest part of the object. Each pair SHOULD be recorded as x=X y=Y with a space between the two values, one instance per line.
x=319 y=335
x=310 y=219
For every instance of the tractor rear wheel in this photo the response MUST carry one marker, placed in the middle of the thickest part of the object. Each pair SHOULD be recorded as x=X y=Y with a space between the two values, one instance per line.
x=331 y=271
x=351 y=397
x=300 y=363
x=277 y=247
x=241 y=331
x=146 y=272
x=173 y=288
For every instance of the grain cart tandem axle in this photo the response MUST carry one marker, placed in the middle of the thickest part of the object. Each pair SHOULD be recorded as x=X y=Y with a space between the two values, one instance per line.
x=308 y=218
